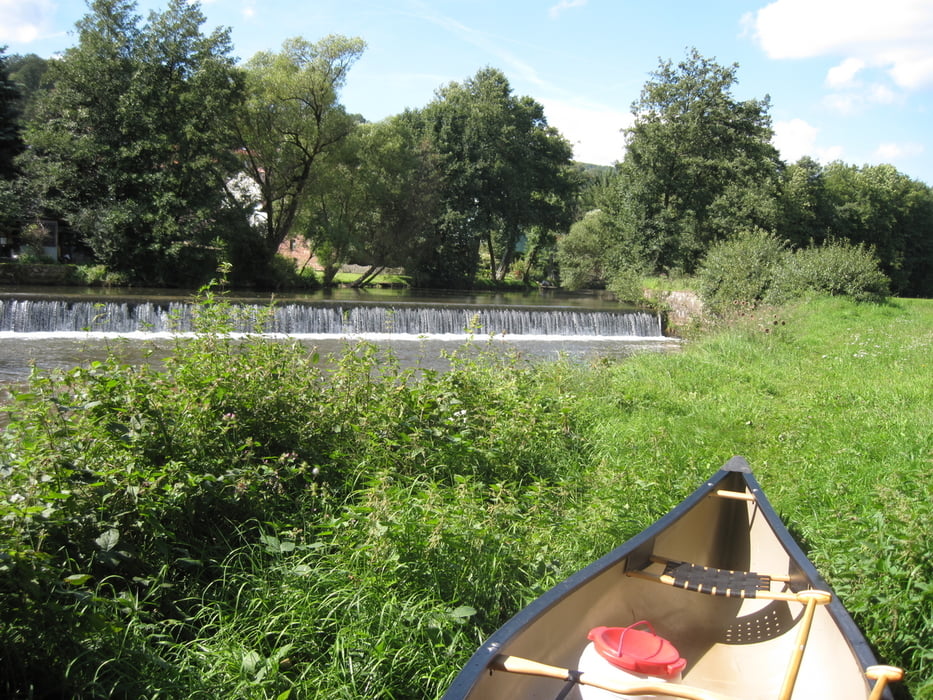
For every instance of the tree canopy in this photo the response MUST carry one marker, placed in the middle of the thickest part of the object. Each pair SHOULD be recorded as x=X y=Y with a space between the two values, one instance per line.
x=290 y=120
x=505 y=172
x=132 y=145
x=698 y=163
x=165 y=157
x=11 y=141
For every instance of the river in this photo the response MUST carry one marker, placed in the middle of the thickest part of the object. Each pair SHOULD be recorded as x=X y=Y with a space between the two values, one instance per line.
x=63 y=327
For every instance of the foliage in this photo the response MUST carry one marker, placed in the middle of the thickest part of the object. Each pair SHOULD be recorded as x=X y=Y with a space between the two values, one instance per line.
x=879 y=207
x=29 y=72
x=290 y=120
x=836 y=268
x=161 y=525
x=756 y=267
x=374 y=201
x=11 y=142
x=503 y=171
x=581 y=253
x=698 y=163
x=740 y=270
x=132 y=145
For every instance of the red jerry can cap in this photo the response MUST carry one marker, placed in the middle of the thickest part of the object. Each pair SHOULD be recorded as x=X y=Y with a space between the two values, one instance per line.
x=641 y=651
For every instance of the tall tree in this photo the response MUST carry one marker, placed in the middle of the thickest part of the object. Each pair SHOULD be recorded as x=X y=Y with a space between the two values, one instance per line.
x=887 y=210
x=28 y=72
x=291 y=119
x=692 y=145
x=11 y=142
x=373 y=201
x=804 y=214
x=11 y=145
x=133 y=145
x=505 y=171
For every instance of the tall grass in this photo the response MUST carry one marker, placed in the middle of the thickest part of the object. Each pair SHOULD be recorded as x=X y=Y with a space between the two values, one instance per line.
x=249 y=522
x=832 y=403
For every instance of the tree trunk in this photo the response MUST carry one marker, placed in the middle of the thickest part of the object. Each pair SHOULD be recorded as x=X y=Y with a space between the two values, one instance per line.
x=368 y=275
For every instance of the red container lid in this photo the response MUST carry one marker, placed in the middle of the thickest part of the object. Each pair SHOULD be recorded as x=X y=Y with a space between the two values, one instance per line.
x=641 y=651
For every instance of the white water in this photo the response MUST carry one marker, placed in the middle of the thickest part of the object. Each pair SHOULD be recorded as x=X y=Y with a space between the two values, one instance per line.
x=65 y=333
x=56 y=316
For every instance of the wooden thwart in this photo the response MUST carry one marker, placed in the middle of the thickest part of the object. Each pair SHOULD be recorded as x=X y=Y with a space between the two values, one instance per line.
x=736 y=495
x=882 y=675
x=516 y=664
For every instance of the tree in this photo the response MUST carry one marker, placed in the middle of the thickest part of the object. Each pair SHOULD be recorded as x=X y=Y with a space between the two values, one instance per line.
x=883 y=208
x=693 y=153
x=373 y=200
x=804 y=217
x=11 y=142
x=581 y=254
x=28 y=72
x=505 y=171
x=133 y=144
x=290 y=121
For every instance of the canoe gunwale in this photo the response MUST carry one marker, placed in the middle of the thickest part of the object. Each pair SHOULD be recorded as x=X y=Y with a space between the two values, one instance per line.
x=637 y=552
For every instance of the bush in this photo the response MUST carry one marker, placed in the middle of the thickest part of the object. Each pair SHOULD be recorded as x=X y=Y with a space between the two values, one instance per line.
x=154 y=517
x=581 y=253
x=755 y=267
x=836 y=268
x=740 y=269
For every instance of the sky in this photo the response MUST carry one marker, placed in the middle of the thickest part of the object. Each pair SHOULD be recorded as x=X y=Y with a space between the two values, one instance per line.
x=848 y=80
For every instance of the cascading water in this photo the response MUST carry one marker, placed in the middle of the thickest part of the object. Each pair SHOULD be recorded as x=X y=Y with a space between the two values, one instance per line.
x=59 y=316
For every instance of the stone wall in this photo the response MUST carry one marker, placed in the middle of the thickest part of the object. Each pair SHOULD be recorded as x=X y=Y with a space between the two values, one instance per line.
x=28 y=274
x=681 y=309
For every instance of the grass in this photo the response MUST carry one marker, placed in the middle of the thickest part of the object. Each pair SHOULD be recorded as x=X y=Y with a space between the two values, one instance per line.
x=383 y=280
x=832 y=404
x=245 y=523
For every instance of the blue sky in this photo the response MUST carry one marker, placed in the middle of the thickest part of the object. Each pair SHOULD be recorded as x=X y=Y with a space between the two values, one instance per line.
x=849 y=80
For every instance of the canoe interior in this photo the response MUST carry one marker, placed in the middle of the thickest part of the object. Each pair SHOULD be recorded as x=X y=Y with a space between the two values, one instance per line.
x=738 y=647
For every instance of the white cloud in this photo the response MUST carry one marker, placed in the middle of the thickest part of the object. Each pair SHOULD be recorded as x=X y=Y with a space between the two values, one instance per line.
x=24 y=22
x=795 y=139
x=557 y=9
x=594 y=131
x=853 y=101
x=891 y=152
x=844 y=74
x=896 y=35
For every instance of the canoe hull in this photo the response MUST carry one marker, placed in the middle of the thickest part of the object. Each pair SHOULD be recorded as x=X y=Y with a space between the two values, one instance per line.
x=739 y=647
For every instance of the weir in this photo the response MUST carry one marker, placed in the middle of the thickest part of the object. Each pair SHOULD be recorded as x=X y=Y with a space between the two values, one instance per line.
x=339 y=318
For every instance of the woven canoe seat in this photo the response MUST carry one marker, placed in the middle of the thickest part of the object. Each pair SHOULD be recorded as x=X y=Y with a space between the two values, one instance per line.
x=723 y=582
x=713 y=581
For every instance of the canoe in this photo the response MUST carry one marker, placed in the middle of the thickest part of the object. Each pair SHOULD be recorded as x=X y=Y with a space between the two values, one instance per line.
x=719 y=580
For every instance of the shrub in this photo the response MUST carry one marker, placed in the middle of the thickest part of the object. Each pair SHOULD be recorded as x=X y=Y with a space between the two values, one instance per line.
x=129 y=496
x=836 y=268
x=755 y=267
x=740 y=269
x=580 y=254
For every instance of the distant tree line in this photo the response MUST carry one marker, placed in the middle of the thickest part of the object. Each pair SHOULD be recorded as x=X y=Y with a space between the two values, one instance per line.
x=167 y=158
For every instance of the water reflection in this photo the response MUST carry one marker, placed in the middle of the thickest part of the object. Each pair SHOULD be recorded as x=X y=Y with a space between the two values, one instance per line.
x=596 y=301
x=19 y=352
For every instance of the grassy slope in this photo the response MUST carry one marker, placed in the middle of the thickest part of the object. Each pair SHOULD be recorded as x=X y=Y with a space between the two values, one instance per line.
x=832 y=403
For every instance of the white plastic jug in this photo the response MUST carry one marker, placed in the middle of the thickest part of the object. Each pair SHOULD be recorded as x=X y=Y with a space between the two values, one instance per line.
x=629 y=656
